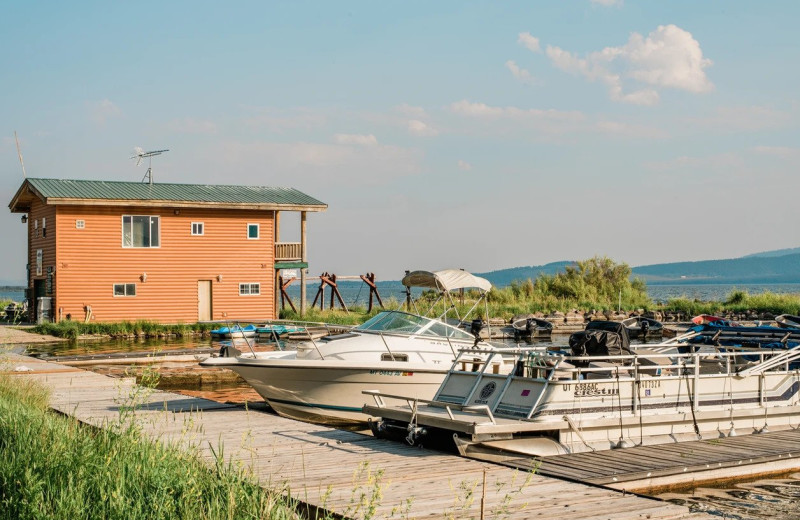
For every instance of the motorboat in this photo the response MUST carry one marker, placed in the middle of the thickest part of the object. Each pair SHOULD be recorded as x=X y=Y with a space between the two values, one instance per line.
x=710 y=319
x=787 y=321
x=641 y=327
x=602 y=398
x=234 y=332
x=529 y=326
x=395 y=351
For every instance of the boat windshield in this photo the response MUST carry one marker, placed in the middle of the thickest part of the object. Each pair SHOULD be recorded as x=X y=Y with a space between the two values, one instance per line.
x=404 y=323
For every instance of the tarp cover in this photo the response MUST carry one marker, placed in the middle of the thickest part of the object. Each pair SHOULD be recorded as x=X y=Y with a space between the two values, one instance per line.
x=446 y=280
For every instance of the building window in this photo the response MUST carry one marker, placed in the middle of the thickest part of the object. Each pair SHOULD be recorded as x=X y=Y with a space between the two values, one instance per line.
x=44 y=227
x=124 y=289
x=140 y=231
x=38 y=262
x=80 y=224
x=249 y=289
x=252 y=231
x=197 y=228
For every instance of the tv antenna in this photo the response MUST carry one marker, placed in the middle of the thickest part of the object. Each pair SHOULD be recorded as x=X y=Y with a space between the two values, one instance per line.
x=140 y=154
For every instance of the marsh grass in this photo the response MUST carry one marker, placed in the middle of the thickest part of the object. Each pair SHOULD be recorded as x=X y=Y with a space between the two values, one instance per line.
x=141 y=328
x=55 y=467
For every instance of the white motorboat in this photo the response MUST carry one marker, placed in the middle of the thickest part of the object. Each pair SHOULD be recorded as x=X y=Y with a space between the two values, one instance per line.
x=561 y=402
x=393 y=352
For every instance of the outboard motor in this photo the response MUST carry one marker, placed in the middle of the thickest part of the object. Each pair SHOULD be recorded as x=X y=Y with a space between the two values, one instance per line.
x=530 y=326
x=475 y=328
x=229 y=351
x=645 y=328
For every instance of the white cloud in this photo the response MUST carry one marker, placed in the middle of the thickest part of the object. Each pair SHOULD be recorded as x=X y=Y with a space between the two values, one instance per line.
x=102 y=111
x=518 y=72
x=192 y=126
x=355 y=139
x=282 y=121
x=668 y=57
x=464 y=165
x=531 y=42
x=467 y=108
x=417 y=127
x=744 y=118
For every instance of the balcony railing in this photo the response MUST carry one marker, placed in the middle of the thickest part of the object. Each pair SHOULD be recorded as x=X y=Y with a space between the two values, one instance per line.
x=288 y=251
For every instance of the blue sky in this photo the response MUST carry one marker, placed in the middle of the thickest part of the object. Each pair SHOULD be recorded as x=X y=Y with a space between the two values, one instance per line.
x=480 y=135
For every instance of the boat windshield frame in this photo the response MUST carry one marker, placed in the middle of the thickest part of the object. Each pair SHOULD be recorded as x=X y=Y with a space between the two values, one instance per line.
x=404 y=323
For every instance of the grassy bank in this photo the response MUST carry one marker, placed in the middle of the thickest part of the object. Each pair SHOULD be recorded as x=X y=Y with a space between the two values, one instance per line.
x=53 y=467
x=142 y=328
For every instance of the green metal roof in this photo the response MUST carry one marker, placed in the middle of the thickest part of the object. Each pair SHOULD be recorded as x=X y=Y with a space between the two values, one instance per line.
x=139 y=191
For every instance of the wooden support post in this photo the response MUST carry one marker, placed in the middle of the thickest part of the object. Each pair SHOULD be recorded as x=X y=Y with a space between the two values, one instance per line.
x=369 y=279
x=285 y=295
x=304 y=258
x=330 y=279
x=408 y=296
x=320 y=293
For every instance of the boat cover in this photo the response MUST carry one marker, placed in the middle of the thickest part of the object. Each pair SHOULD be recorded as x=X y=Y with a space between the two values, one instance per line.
x=446 y=280
x=597 y=343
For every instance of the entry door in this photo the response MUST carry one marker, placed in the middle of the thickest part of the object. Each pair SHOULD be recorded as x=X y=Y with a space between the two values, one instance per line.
x=203 y=300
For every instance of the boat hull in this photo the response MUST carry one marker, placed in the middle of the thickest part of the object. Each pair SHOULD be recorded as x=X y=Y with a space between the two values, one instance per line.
x=324 y=393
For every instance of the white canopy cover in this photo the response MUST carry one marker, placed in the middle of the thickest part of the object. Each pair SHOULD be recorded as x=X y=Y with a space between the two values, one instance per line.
x=446 y=280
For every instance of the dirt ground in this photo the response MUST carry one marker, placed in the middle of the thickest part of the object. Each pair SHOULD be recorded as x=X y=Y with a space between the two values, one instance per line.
x=16 y=335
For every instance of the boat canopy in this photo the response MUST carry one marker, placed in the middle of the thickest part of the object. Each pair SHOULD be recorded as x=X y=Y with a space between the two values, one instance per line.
x=446 y=280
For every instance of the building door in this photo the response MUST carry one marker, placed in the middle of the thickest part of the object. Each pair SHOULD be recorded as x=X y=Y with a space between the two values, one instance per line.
x=39 y=289
x=204 y=300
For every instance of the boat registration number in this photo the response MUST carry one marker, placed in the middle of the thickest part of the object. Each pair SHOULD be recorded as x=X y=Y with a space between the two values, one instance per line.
x=593 y=389
x=390 y=373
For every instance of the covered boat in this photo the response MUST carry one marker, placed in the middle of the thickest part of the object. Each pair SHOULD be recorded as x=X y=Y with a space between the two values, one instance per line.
x=234 y=331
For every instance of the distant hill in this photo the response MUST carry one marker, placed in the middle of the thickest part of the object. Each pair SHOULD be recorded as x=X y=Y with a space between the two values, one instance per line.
x=782 y=266
x=777 y=252
x=504 y=277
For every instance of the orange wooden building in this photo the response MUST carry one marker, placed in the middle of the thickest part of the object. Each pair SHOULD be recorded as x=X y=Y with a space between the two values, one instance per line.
x=172 y=253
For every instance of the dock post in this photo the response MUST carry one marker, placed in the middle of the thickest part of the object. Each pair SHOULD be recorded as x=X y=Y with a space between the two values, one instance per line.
x=304 y=259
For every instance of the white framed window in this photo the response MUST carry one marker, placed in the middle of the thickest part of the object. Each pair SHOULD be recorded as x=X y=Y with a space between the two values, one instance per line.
x=249 y=289
x=80 y=224
x=124 y=289
x=39 y=261
x=197 y=228
x=141 y=231
x=253 y=231
x=44 y=227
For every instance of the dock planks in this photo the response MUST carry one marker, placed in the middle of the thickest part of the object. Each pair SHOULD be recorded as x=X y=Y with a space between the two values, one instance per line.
x=331 y=469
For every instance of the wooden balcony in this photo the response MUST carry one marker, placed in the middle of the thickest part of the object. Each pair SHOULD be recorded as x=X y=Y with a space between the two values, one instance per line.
x=288 y=252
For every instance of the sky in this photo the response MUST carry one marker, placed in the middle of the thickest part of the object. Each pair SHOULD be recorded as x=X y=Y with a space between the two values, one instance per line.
x=450 y=134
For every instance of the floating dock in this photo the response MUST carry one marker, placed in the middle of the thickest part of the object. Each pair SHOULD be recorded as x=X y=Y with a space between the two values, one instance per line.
x=332 y=470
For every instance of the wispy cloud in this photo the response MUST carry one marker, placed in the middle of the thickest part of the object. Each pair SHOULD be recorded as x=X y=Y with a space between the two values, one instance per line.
x=784 y=152
x=422 y=129
x=464 y=165
x=608 y=3
x=520 y=73
x=468 y=108
x=102 y=111
x=668 y=57
x=743 y=118
x=529 y=41
x=355 y=139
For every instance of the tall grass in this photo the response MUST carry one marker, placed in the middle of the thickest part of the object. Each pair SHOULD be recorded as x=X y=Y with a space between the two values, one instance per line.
x=142 y=328
x=52 y=467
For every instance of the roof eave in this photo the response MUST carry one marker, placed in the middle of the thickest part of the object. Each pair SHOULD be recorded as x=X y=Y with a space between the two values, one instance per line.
x=184 y=204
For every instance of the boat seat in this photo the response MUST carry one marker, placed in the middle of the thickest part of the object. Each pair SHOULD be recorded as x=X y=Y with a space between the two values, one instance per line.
x=606 y=374
x=652 y=365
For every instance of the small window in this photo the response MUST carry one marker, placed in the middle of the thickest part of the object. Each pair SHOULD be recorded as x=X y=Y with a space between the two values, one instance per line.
x=394 y=357
x=252 y=231
x=197 y=228
x=80 y=224
x=44 y=227
x=39 y=261
x=249 y=289
x=124 y=289
x=140 y=231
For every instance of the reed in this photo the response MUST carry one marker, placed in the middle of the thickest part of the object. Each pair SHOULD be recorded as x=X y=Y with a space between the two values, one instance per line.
x=141 y=328
x=55 y=467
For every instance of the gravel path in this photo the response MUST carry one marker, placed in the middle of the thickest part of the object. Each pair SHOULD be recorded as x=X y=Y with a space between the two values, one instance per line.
x=16 y=335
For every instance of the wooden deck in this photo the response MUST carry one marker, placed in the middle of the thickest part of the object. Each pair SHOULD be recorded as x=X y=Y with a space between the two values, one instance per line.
x=650 y=468
x=332 y=469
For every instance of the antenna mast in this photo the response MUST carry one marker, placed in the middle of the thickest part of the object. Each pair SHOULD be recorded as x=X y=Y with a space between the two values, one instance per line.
x=140 y=154
x=19 y=153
